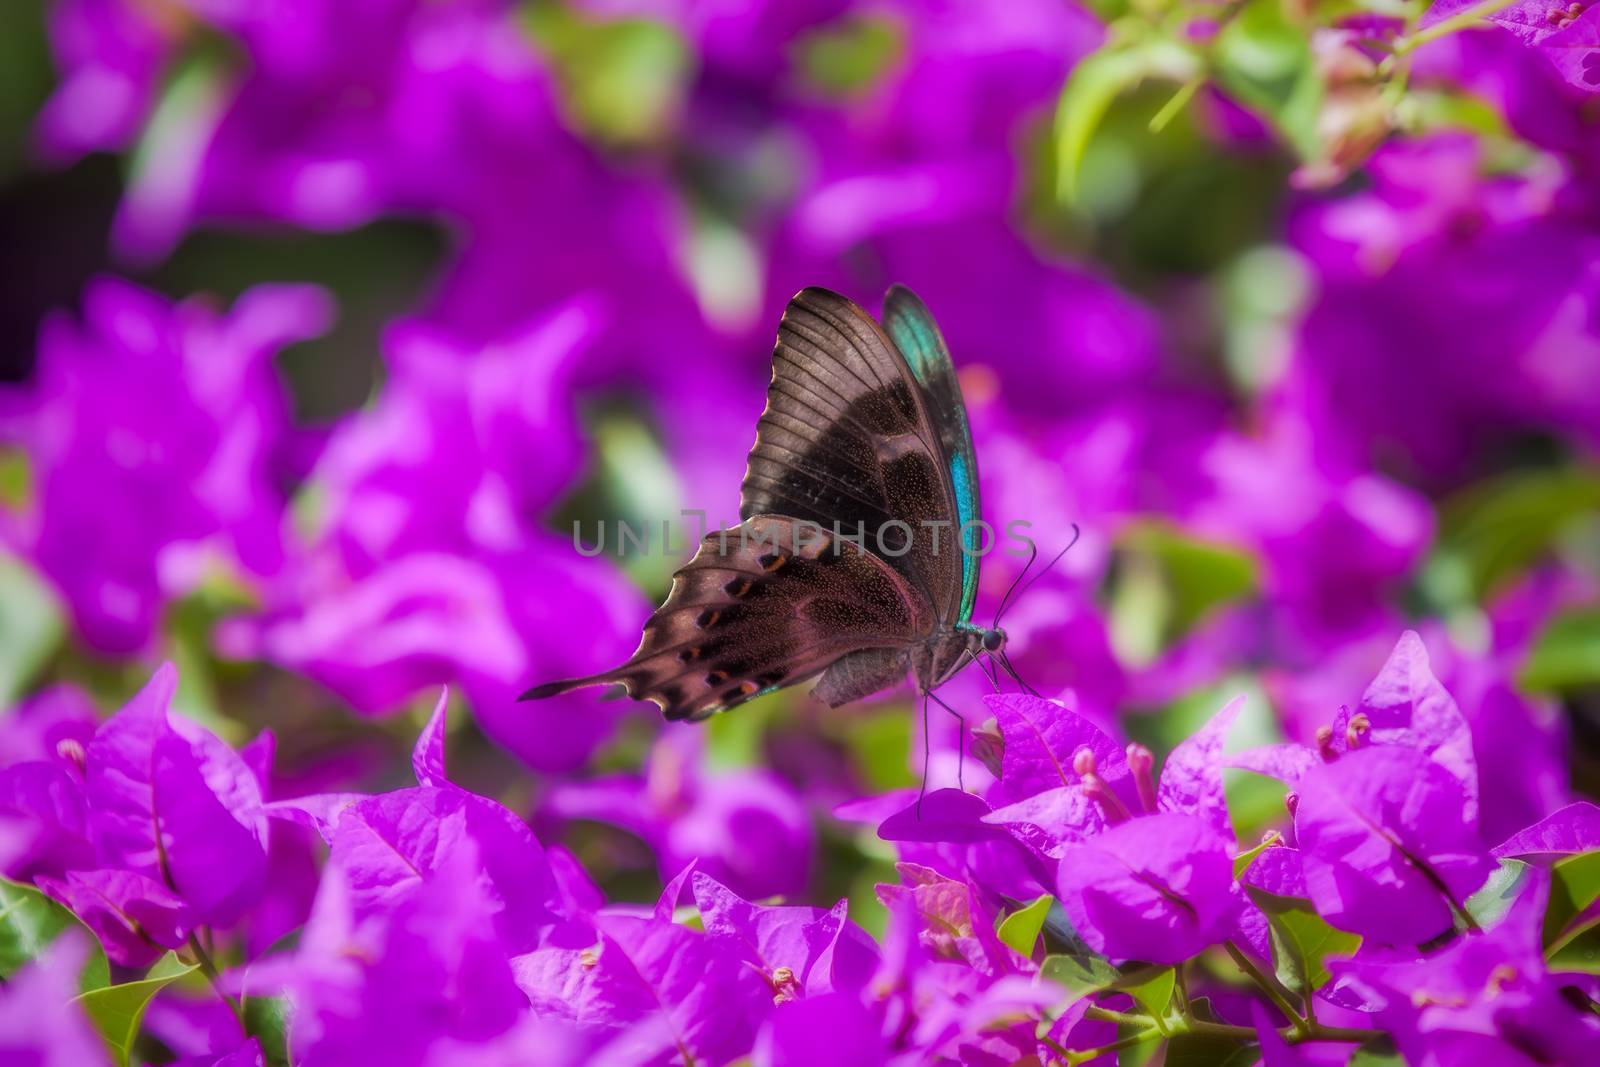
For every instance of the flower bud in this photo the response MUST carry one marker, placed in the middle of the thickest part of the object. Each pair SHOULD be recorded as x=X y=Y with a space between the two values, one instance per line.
x=989 y=746
x=1358 y=728
x=1354 y=117
x=784 y=985
x=1325 y=743
x=1141 y=761
x=71 y=750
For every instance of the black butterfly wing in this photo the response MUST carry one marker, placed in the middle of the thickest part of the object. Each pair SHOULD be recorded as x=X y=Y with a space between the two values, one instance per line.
x=916 y=336
x=847 y=438
x=762 y=606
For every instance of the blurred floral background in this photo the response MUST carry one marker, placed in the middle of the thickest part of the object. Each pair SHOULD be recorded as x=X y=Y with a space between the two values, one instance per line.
x=325 y=320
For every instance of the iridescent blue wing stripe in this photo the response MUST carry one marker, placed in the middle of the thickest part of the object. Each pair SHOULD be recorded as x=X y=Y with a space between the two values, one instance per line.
x=910 y=325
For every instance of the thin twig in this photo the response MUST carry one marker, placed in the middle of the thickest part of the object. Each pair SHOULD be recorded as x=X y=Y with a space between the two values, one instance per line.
x=208 y=968
x=1269 y=987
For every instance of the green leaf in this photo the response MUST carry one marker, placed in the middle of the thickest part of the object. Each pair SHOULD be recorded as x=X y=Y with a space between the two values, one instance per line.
x=16 y=479
x=621 y=81
x=1095 y=82
x=30 y=625
x=267 y=1020
x=1574 y=885
x=1020 y=930
x=878 y=746
x=1166 y=582
x=1494 y=898
x=30 y=922
x=1242 y=861
x=118 y=1010
x=1302 y=941
x=1154 y=995
x=846 y=58
x=1079 y=975
x=1566 y=654
x=1263 y=59
x=1579 y=953
x=1499 y=528
x=1379 y=1052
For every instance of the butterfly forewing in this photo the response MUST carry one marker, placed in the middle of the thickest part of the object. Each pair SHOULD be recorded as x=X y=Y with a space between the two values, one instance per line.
x=847 y=438
x=910 y=326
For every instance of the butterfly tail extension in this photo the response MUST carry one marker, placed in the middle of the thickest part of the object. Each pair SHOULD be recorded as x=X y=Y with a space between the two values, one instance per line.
x=567 y=685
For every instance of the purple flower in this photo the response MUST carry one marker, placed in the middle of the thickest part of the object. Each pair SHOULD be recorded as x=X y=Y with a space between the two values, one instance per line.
x=746 y=828
x=111 y=54
x=389 y=847
x=1572 y=830
x=393 y=984
x=1075 y=782
x=1157 y=888
x=1405 y=706
x=1527 y=776
x=1568 y=37
x=1486 y=998
x=170 y=413
x=1436 y=259
x=1052 y=802
x=136 y=917
x=40 y=1023
x=168 y=800
x=429 y=566
x=995 y=1024
x=1389 y=847
x=1071 y=1030
x=1333 y=539
x=1538 y=103
x=45 y=824
x=955 y=923
x=248 y=1054
x=164 y=830
x=949 y=831
x=36 y=728
x=830 y=1028
x=798 y=950
x=660 y=992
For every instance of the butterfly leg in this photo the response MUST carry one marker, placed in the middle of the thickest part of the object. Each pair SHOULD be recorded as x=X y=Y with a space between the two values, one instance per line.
x=961 y=759
x=926 y=755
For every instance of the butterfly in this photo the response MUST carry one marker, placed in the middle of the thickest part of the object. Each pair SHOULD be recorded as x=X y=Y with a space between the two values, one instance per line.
x=856 y=557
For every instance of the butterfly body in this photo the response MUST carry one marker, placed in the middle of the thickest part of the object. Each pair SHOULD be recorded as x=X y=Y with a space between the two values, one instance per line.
x=854 y=561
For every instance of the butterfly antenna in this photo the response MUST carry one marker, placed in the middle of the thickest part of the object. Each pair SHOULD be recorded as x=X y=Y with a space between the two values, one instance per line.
x=1033 y=554
x=1076 y=533
x=990 y=673
x=1016 y=676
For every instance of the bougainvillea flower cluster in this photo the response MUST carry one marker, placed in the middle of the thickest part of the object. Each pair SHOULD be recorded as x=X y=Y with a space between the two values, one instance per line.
x=355 y=337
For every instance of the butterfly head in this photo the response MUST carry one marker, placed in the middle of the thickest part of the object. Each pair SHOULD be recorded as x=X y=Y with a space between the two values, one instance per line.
x=992 y=641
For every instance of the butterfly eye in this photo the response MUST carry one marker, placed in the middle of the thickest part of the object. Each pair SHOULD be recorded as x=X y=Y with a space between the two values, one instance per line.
x=994 y=641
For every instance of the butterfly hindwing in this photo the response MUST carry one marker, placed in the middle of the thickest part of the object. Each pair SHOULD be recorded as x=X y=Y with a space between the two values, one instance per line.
x=910 y=326
x=847 y=438
x=763 y=605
